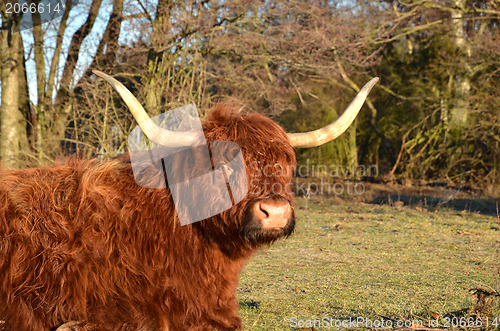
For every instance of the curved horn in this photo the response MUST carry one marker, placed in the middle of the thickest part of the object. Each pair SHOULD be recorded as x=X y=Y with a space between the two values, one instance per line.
x=333 y=130
x=154 y=133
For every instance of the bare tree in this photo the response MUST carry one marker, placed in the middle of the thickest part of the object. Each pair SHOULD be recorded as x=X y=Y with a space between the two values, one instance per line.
x=14 y=107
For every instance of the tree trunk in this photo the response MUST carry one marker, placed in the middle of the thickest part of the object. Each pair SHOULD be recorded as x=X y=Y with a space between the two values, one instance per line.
x=352 y=151
x=53 y=106
x=461 y=86
x=13 y=140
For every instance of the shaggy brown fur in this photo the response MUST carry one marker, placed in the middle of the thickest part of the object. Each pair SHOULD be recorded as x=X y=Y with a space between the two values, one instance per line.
x=83 y=242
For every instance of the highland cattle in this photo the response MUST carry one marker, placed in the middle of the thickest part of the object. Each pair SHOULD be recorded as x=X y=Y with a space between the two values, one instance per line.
x=81 y=241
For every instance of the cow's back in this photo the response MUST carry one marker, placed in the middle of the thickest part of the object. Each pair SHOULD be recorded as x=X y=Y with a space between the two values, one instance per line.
x=56 y=253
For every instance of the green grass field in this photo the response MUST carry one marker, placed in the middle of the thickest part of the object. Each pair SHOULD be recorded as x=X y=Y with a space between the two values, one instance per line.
x=377 y=262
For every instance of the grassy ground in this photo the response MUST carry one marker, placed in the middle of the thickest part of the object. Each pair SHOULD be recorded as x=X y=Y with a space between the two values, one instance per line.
x=377 y=262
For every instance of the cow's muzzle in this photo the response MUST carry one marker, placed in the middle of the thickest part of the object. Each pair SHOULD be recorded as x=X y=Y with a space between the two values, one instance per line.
x=272 y=214
x=268 y=220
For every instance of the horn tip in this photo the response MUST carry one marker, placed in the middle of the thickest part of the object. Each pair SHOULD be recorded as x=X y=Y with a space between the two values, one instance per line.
x=98 y=73
x=373 y=81
x=368 y=86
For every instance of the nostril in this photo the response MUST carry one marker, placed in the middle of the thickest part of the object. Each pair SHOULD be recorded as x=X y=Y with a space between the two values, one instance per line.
x=263 y=210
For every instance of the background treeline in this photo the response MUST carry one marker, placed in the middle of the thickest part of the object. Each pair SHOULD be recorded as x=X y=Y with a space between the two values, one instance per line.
x=433 y=117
